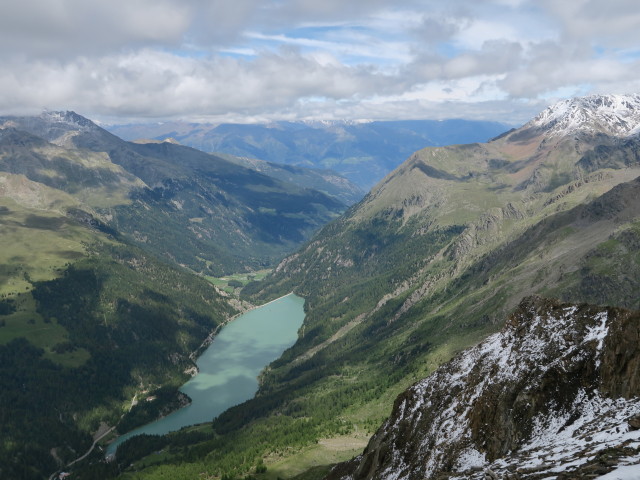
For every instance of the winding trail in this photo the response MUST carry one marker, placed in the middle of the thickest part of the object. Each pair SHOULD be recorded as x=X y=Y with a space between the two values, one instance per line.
x=93 y=445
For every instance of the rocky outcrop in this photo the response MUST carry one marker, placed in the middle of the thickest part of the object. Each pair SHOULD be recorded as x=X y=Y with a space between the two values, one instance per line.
x=486 y=230
x=550 y=394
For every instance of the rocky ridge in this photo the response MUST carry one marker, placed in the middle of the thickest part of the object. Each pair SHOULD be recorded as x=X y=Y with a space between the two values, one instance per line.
x=553 y=395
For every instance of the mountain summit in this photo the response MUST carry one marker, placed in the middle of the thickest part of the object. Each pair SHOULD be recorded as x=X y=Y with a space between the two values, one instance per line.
x=614 y=115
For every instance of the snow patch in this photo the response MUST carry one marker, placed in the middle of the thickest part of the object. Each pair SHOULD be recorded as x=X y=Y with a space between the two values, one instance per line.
x=563 y=438
x=598 y=333
x=470 y=458
x=627 y=472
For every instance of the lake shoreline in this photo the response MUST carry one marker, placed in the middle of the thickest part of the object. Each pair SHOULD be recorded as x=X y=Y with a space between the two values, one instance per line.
x=193 y=356
x=270 y=333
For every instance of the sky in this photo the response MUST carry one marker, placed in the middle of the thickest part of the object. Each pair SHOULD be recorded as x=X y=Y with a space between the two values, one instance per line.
x=245 y=61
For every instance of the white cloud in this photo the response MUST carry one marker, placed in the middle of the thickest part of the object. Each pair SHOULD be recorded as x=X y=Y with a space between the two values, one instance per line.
x=149 y=83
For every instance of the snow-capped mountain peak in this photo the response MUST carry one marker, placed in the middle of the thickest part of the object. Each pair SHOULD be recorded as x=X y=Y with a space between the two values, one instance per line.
x=68 y=118
x=615 y=115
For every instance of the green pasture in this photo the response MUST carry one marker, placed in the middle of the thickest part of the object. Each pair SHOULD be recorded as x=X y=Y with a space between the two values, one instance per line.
x=36 y=246
x=230 y=283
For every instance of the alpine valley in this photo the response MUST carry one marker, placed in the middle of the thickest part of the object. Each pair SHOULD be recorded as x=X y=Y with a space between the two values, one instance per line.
x=476 y=312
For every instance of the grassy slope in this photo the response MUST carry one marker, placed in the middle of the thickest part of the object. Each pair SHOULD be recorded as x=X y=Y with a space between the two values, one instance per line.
x=322 y=180
x=39 y=242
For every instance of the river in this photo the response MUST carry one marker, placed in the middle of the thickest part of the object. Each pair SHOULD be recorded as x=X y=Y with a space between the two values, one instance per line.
x=229 y=368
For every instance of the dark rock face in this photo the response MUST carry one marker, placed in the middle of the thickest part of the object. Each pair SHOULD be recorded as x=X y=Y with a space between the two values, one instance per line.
x=556 y=388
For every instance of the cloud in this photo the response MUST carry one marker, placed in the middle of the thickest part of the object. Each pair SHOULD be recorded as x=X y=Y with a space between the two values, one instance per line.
x=432 y=30
x=613 y=23
x=149 y=83
x=67 y=28
x=493 y=57
x=248 y=59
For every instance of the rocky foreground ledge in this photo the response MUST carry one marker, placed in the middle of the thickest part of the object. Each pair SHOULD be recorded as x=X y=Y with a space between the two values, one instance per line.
x=555 y=394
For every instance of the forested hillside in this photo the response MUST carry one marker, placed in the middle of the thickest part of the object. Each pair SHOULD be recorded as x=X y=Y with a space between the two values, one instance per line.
x=77 y=348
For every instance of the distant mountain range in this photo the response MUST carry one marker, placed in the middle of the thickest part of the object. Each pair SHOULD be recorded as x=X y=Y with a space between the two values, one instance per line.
x=363 y=152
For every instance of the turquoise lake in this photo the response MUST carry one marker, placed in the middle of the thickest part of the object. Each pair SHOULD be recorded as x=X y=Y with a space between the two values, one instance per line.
x=229 y=368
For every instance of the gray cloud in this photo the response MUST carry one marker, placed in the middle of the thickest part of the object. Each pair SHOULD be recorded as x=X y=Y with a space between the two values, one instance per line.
x=432 y=30
x=493 y=57
x=150 y=83
x=69 y=28
x=612 y=23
